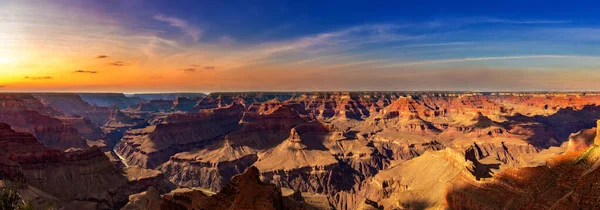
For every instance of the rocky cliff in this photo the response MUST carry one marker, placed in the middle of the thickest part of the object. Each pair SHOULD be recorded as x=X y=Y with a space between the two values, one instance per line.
x=27 y=114
x=74 y=177
x=566 y=181
x=110 y=99
x=73 y=104
x=244 y=191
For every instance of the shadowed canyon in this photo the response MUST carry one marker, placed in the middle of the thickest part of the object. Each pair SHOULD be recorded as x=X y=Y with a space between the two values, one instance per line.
x=302 y=150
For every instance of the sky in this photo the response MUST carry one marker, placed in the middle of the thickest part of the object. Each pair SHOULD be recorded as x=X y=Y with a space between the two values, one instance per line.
x=207 y=46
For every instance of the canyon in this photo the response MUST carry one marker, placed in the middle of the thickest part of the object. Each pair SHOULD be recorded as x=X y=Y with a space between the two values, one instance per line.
x=302 y=150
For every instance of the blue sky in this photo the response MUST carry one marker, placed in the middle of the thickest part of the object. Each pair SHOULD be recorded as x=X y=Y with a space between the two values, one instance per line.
x=306 y=45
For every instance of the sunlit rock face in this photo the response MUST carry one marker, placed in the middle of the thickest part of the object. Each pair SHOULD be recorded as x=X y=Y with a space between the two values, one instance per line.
x=335 y=143
x=348 y=150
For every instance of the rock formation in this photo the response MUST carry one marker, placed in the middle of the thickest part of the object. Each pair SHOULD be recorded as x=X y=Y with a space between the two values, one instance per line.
x=567 y=181
x=244 y=191
x=73 y=104
x=110 y=99
x=72 y=178
x=27 y=114
x=347 y=150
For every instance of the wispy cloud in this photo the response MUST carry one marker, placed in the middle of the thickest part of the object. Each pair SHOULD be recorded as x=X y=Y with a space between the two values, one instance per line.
x=188 y=70
x=102 y=56
x=85 y=72
x=118 y=63
x=357 y=63
x=443 y=61
x=196 y=67
x=436 y=44
x=38 y=78
x=458 y=22
x=508 y=21
x=2 y=86
x=348 y=38
x=188 y=29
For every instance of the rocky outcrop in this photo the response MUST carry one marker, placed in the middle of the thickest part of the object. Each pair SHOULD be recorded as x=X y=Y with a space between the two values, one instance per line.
x=152 y=146
x=167 y=96
x=23 y=113
x=183 y=104
x=110 y=99
x=73 y=104
x=244 y=191
x=84 y=175
x=213 y=166
x=209 y=168
x=152 y=106
x=568 y=182
x=85 y=127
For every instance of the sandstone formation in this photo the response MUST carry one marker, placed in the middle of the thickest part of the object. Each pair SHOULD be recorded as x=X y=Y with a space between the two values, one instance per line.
x=72 y=178
x=72 y=104
x=244 y=191
x=27 y=114
x=342 y=150
x=567 y=181
x=152 y=106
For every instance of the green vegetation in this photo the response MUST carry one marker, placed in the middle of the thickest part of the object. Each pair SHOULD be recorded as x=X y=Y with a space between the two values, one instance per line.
x=584 y=156
x=10 y=199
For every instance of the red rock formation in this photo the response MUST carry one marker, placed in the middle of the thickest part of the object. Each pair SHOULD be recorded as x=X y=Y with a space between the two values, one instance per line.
x=85 y=175
x=151 y=146
x=244 y=191
x=152 y=106
x=23 y=113
x=183 y=104
x=85 y=127
x=568 y=181
x=213 y=166
x=72 y=104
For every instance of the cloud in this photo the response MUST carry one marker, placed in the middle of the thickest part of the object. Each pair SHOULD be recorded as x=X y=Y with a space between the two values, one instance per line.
x=507 y=21
x=188 y=70
x=2 y=86
x=119 y=63
x=85 y=72
x=196 y=67
x=443 y=61
x=102 y=56
x=357 y=63
x=156 y=77
x=437 y=44
x=461 y=22
x=189 y=30
x=39 y=78
x=322 y=44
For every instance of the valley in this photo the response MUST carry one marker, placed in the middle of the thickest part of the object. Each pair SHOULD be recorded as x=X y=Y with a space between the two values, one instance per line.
x=306 y=150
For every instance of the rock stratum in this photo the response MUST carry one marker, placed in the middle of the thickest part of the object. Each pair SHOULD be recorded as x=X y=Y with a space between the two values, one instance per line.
x=303 y=150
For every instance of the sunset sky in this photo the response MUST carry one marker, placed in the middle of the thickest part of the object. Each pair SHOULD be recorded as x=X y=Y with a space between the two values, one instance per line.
x=206 y=46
